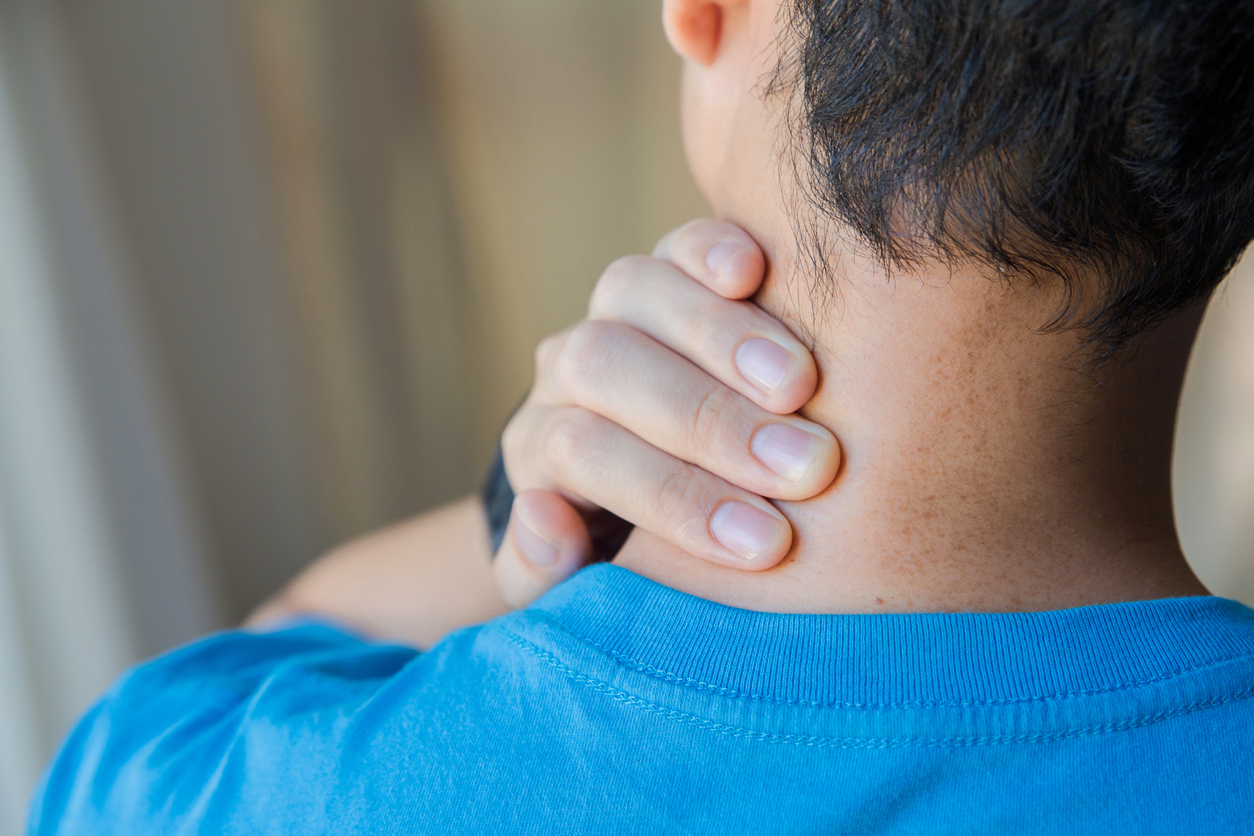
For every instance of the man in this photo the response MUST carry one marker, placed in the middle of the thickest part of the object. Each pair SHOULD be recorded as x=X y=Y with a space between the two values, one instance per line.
x=995 y=222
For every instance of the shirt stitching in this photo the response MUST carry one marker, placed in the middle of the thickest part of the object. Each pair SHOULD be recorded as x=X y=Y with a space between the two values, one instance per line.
x=867 y=742
x=722 y=691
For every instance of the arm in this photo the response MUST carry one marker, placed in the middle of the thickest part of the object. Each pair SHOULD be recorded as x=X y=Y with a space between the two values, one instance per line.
x=413 y=582
x=654 y=392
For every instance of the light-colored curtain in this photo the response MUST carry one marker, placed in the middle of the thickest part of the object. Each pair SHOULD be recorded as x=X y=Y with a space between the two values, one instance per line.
x=100 y=564
x=450 y=178
x=64 y=632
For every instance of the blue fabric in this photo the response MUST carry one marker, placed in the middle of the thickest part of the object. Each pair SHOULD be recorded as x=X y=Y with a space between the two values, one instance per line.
x=615 y=705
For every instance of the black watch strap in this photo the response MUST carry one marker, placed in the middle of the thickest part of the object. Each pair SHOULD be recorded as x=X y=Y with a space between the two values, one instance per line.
x=498 y=499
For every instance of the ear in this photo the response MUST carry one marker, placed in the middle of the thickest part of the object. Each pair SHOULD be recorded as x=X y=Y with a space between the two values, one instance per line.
x=695 y=28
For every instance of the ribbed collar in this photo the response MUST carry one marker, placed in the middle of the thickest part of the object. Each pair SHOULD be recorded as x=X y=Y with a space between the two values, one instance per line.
x=870 y=660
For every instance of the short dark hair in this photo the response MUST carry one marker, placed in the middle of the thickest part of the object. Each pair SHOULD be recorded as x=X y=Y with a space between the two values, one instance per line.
x=1038 y=137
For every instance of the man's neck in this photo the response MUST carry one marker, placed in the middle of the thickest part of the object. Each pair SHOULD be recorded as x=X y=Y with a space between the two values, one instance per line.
x=982 y=470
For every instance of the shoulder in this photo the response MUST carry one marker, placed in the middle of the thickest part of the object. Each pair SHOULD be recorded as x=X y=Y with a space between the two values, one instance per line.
x=249 y=721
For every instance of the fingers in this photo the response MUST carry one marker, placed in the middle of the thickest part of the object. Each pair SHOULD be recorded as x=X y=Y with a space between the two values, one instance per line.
x=671 y=408
x=619 y=373
x=736 y=342
x=596 y=459
x=718 y=254
x=547 y=541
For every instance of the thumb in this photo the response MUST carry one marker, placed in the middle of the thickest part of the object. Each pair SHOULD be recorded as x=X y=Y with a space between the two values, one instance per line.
x=546 y=542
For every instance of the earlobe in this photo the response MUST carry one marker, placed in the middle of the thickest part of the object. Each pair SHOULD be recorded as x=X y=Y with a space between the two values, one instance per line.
x=694 y=28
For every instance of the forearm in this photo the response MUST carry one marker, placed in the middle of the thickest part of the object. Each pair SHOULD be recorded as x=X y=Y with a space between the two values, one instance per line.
x=413 y=583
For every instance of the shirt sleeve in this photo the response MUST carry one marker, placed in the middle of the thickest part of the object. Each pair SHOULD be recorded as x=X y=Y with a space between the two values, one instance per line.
x=240 y=732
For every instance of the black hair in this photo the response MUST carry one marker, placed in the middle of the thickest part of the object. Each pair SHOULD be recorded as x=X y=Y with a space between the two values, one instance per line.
x=1042 y=138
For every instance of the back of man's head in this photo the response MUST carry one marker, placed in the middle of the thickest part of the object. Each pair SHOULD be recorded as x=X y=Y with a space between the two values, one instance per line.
x=1107 y=144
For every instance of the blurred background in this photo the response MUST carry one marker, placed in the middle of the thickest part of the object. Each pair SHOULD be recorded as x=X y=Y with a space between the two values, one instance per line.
x=271 y=275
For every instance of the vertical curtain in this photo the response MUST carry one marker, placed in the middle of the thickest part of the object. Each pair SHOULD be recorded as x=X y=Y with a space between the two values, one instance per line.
x=101 y=562
x=66 y=633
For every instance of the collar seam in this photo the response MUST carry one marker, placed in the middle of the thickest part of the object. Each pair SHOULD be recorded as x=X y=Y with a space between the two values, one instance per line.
x=817 y=741
x=630 y=663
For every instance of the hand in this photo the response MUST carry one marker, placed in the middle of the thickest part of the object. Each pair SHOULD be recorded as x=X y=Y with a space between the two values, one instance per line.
x=671 y=407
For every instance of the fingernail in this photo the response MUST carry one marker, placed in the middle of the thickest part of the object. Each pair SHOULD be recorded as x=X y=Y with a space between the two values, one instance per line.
x=786 y=450
x=763 y=363
x=721 y=258
x=743 y=530
x=538 y=550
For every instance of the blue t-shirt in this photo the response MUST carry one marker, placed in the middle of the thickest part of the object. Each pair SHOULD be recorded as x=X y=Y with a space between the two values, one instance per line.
x=616 y=705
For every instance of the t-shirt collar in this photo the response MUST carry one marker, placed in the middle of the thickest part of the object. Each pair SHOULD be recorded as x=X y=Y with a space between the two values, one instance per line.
x=895 y=658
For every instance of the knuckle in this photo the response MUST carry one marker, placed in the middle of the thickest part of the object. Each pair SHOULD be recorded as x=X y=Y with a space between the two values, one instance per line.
x=546 y=350
x=710 y=416
x=681 y=494
x=624 y=270
x=699 y=235
x=716 y=230
x=568 y=441
x=585 y=357
x=693 y=230
x=707 y=331
x=617 y=283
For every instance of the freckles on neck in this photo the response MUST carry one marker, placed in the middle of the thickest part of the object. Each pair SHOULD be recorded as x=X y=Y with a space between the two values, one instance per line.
x=944 y=386
x=980 y=470
x=907 y=340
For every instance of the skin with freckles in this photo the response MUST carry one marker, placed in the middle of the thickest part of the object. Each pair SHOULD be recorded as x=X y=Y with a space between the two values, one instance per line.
x=984 y=469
